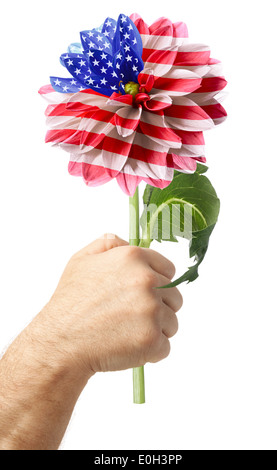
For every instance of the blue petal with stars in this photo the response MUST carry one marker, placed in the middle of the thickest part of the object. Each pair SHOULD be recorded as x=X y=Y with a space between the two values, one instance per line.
x=101 y=60
x=109 y=28
x=127 y=31
x=128 y=64
x=95 y=40
x=67 y=57
x=108 y=58
x=66 y=85
x=78 y=68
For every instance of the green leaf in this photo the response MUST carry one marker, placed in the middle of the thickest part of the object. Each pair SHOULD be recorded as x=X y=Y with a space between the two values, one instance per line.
x=201 y=168
x=187 y=208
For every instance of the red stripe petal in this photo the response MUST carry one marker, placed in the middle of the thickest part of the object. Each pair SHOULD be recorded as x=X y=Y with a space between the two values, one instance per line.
x=211 y=84
x=215 y=111
x=139 y=23
x=162 y=27
x=128 y=183
x=180 y=30
x=188 y=85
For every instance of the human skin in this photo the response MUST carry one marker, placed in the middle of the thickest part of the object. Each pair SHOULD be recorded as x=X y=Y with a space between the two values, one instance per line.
x=105 y=315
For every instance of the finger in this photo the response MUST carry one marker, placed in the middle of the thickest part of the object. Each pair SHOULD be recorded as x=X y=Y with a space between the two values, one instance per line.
x=161 y=351
x=104 y=243
x=171 y=296
x=159 y=263
x=169 y=322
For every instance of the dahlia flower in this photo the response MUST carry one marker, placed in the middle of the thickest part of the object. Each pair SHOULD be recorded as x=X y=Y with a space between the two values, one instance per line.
x=136 y=104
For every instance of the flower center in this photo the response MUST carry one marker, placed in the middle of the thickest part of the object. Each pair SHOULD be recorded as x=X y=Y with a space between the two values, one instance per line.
x=132 y=88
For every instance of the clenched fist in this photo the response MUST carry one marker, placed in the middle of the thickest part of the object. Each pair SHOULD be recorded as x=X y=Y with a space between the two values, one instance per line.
x=106 y=313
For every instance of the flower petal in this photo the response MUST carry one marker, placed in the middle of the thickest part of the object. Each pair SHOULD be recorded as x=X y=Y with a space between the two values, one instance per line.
x=139 y=23
x=118 y=101
x=93 y=175
x=178 y=82
x=158 y=102
x=65 y=85
x=127 y=31
x=186 y=115
x=182 y=164
x=94 y=39
x=127 y=63
x=128 y=180
x=193 y=54
x=109 y=28
x=162 y=27
x=127 y=119
x=161 y=61
x=93 y=130
x=154 y=126
x=180 y=30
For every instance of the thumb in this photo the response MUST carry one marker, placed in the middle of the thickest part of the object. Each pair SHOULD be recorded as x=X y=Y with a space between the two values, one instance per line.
x=104 y=243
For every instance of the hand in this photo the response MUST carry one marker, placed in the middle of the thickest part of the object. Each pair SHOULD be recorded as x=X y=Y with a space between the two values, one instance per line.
x=106 y=314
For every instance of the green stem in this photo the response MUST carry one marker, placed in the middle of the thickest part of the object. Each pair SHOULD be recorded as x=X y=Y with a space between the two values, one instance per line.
x=134 y=240
x=134 y=231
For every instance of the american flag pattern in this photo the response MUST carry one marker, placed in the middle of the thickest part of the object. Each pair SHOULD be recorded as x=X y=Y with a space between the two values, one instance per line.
x=136 y=103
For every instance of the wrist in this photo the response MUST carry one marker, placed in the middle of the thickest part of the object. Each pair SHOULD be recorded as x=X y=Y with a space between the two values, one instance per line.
x=54 y=345
x=39 y=389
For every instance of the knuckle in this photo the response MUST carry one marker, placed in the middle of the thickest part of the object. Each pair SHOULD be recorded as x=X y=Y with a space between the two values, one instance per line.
x=108 y=236
x=149 y=278
x=132 y=252
x=149 y=338
x=171 y=269
x=162 y=352
x=154 y=305
x=174 y=326
x=178 y=299
x=145 y=277
x=165 y=349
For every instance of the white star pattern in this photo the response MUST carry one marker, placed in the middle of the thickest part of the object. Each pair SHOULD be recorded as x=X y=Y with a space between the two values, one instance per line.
x=111 y=63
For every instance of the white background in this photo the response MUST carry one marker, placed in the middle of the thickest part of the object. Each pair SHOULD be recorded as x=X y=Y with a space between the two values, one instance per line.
x=218 y=388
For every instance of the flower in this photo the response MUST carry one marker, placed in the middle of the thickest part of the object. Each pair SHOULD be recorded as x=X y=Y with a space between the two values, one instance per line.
x=137 y=103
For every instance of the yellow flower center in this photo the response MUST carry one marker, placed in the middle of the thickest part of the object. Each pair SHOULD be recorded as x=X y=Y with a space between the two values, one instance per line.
x=132 y=88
